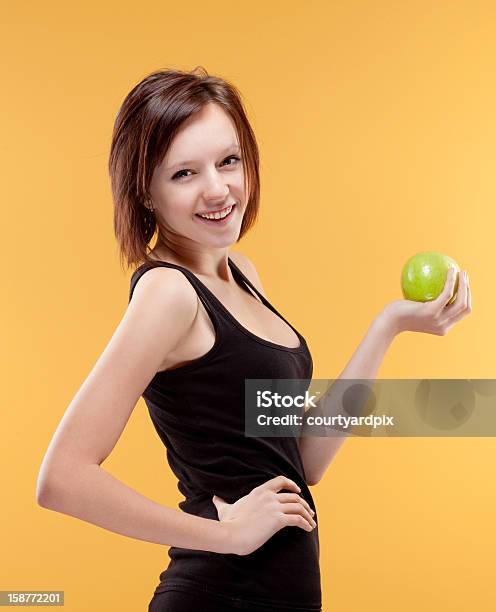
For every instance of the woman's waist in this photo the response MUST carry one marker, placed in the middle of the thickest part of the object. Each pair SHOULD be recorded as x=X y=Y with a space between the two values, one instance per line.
x=200 y=485
x=284 y=569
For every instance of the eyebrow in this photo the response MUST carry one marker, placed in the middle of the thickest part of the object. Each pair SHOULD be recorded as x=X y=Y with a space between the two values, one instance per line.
x=192 y=161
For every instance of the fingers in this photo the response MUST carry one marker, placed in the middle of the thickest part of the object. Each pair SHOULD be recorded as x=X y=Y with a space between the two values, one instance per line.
x=462 y=305
x=469 y=295
x=294 y=497
x=449 y=287
x=218 y=500
x=280 y=482
x=296 y=520
x=462 y=299
x=298 y=509
x=295 y=510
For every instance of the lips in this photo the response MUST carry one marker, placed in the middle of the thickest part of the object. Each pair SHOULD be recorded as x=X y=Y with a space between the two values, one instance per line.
x=218 y=221
x=212 y=212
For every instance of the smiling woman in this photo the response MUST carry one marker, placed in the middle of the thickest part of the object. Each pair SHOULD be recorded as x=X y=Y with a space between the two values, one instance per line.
x=184 y=165
x=149 y=167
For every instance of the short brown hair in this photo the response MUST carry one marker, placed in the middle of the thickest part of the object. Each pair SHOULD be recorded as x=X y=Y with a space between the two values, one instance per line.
x=145 y=126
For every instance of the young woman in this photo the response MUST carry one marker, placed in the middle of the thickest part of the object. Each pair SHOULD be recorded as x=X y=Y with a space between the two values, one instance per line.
x=184 y=165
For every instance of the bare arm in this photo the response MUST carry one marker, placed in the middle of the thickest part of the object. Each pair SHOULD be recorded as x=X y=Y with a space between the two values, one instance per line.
x=433 y=317
x=71 y=479
x=402 y=315
x=92 y=494
x=317 y=452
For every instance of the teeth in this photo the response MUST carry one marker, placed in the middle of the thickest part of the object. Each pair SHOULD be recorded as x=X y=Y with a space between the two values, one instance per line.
x=218 y=215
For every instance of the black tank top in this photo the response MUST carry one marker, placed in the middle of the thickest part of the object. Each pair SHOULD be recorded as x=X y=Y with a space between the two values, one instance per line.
x=198 y=411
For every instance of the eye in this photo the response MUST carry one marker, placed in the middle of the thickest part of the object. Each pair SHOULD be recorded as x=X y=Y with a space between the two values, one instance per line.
x=235 y=157
x=180 y=175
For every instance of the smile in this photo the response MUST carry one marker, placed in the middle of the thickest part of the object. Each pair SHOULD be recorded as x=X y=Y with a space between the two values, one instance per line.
x=222 y=217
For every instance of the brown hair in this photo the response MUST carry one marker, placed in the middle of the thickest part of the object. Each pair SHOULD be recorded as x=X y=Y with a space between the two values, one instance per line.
x=145 y=126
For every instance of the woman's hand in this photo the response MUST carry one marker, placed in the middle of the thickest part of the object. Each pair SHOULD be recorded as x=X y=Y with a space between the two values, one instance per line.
x=254 y=518
x=434 y=317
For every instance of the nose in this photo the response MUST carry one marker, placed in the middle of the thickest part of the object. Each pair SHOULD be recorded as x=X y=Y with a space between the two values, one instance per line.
x=216 y=188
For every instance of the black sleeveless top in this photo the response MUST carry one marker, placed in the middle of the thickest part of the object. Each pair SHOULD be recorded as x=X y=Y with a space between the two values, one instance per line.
x=198 y=411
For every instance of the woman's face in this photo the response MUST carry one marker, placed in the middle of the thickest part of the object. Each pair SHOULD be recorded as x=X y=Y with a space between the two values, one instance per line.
x=202 y=172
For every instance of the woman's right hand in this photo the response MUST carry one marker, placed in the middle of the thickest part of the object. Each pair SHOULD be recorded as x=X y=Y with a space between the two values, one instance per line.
x=254 y=518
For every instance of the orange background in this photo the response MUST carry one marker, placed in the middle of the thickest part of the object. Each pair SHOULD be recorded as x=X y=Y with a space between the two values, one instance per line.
x=376 y=127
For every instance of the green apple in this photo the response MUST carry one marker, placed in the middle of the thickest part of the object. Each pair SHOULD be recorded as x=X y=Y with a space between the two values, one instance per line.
x=424 y=276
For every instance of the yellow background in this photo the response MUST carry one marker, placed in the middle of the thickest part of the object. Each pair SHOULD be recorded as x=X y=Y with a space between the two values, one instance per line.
x=377 y=134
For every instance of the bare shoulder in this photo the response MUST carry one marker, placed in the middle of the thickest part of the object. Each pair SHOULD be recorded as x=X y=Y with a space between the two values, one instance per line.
x=161 y=311
x=162 y=282
x=248 y=268
x=164 y=292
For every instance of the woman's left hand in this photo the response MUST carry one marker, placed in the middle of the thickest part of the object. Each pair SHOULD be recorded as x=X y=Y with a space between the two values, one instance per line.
x=434 y=317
